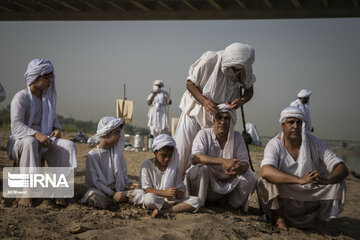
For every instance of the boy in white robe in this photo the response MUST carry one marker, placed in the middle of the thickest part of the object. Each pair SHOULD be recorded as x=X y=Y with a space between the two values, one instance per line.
x=161 y=180
x=302 y=181
x=220 y=163
x=215 y=78
x=106 y=167
x=35 y=130
x=158 y=101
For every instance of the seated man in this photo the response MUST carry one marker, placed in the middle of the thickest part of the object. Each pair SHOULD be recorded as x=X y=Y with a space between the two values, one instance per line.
x=106 y=167
x=220 y=163
x=162 y=182
x=302 y=179
x=35 y=130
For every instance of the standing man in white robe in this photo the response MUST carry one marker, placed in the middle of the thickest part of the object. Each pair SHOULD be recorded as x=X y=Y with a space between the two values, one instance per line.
x=215 y=78
x=161 y=180
x=302 y=181
x=302 y=102
x=35 y=129
x=158 y=101
x=220 y=163
x=106 y=167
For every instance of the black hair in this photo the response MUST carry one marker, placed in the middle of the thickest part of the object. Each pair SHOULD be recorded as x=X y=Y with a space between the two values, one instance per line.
x=166 y=148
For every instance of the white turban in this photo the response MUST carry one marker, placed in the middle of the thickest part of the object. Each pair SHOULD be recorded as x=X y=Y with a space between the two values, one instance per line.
x=229 y=146
x=290 y=112
x=305 y=164
x=304 y=93
x=239 y=55
x=106 y=125
x=159 y=142
x=159 y=82
x=35 y=69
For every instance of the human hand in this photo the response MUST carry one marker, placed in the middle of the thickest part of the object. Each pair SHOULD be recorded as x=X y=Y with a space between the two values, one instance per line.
x=317 y=178
x=236 y=103
x=229 y=166
x=119 y=196
x=56 y=133
x=310 y=177
x=241 y=167
x=43 y=140
x=131 y=186
x=171 y=192
x=209 y=106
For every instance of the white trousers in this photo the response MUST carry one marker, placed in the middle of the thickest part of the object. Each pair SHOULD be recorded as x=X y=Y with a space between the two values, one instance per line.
x=62 y=153
x=152 y=201
x=185 y=134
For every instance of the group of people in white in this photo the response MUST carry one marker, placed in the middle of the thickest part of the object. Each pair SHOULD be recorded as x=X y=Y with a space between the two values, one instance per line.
x=302 y=181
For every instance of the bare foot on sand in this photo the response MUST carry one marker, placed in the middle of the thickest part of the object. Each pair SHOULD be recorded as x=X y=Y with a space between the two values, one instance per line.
x=320 y=227
x=61 y=202
x=155 y=213
x=25 y=202
x=280 y=222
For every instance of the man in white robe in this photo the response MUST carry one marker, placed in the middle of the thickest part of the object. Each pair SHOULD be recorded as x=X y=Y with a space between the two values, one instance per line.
x=215 y=78
x=302 y=181
x=302 y=102
x=35 y=130
x=162 y=182
x=106 y=167
x=158 y=101
x=220 y=163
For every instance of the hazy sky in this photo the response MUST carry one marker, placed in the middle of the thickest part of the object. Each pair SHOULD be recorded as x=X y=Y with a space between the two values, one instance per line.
x=94 y=59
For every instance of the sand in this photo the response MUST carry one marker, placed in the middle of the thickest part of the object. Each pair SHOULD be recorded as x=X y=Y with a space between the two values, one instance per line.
x=76 y=221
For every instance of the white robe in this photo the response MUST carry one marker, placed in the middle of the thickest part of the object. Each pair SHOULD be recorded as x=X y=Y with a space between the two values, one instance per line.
x=24 y=148
x=305 y=200
x=306 y=110
x=251 y=129
x=101 y=174
x=158 y=115
x=209 y=182
x=152 y=177
x=205 y=72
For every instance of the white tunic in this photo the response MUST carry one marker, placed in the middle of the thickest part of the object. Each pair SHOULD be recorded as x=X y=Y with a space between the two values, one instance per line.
x=152 y=177
x=307 y=201
x=24 y=148
x=158 y=116
x=239 y=188
x=100 y=172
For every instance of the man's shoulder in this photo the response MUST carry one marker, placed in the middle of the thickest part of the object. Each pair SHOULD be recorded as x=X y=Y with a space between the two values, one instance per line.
x=147 y=164
x=21 y=96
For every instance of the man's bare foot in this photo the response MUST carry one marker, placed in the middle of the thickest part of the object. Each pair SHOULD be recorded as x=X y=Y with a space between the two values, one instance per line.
x=25 y=202
x=155 y=213
x=280 y=223
x=61 y=202
x=320 y=227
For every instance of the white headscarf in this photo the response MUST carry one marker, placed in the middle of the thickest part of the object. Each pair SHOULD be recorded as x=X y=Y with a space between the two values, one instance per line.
x=170 y=173
x=229 y=146
x=105 y=126
x=304 y=93
x=158 y=82
x=304 y=161
x=37 y=68
x=223 y=78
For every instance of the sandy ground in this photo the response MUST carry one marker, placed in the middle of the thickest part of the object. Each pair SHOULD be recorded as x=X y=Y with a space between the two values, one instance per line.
x=47 y=221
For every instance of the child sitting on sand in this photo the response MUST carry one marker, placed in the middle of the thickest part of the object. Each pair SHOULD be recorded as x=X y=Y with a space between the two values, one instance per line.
x=106 y=167
x=161 y=180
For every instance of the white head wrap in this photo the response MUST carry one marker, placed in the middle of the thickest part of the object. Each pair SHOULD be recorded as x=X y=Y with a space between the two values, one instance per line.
x=223 y=81
x=106 y=125
x=159 y=142
x=304 y=93
x=304 y=161
x=229 y=146
x=37 y=68
x=157 y=88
